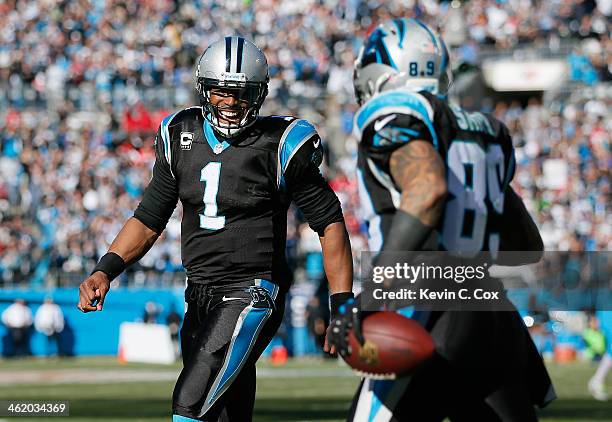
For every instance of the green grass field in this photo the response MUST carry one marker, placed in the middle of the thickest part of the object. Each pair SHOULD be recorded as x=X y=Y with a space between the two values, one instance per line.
x=307 y=390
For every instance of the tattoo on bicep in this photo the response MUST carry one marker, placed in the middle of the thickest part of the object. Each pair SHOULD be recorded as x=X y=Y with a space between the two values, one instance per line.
x=418 y=170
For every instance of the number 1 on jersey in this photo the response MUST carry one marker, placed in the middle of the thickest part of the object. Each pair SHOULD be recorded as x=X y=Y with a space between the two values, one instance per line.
x=210 y=175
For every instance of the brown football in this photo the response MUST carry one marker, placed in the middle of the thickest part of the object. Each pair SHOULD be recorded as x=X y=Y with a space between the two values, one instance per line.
x=394 y=345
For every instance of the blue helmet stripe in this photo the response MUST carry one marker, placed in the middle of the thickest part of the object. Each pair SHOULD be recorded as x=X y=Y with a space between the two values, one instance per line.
x=385 y=56
x=375 y=50
x=444 y=61
x=401 y=31
x=431 y=34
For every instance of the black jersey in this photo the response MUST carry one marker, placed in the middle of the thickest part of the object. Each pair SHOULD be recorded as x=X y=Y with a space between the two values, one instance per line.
x=476 y=149
x=235 y=194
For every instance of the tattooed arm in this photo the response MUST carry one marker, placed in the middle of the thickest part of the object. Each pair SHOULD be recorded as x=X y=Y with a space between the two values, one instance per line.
x=418 y=171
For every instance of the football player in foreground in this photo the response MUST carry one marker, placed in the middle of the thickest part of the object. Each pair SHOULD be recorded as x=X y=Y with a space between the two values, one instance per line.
x=430 y=170
x=235 y=174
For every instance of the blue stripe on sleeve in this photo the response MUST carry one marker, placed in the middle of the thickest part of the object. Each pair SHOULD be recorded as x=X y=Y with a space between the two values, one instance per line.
x=165 y=133
x=297 y=133
x=397 y=100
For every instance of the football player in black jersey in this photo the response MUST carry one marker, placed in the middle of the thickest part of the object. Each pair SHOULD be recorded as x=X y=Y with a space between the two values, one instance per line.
x=235 y=173
x=430 y=170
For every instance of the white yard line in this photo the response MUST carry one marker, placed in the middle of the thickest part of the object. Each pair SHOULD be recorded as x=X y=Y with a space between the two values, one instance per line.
x=84 y=376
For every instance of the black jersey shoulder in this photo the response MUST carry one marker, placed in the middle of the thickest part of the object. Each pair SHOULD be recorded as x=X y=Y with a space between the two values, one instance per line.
x=265 y=133
x=293 y=140
x=185 y=120
x=396 y=117
x=478 y=122
x=393 y=118
x=179 y=126
x=299 y=146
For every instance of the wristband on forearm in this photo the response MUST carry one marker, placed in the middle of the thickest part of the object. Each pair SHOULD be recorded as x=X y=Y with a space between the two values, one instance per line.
x=110 y=264
x=338 y=299
x=407 y=233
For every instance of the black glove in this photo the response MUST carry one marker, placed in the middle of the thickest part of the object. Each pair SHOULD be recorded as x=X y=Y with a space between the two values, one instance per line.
x=348 y=318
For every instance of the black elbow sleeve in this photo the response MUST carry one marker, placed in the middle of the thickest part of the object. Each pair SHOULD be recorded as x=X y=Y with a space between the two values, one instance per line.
x=320 y=206
x=154 y=222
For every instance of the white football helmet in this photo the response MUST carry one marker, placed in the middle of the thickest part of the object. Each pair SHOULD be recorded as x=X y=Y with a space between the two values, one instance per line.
x=402 y=53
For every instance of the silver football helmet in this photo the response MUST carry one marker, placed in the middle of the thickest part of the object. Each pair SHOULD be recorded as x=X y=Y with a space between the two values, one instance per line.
x=401 y=53
x=232 y=65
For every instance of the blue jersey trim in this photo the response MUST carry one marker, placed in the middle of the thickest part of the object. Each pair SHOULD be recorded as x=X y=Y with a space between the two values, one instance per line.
x=404 y=138
x=296 y=134
x=165 y=134
x=375 y=234
x=401 y=31
x=397 y=100
x=212 y=140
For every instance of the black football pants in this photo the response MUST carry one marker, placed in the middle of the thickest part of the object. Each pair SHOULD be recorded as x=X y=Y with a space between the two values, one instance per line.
x=226 y=329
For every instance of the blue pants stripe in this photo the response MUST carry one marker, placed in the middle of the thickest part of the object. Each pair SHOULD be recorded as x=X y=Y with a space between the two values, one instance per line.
x=179 y=418
x=250 y=323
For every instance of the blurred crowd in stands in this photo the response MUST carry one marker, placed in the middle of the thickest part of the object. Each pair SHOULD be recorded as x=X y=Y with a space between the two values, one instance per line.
x=84 y=85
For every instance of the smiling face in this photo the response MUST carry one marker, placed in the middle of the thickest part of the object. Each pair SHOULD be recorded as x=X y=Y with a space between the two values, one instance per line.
x=229 y=104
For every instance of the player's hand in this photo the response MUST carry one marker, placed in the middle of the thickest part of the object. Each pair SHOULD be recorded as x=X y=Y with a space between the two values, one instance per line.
x=348 y=319
x=93 y=291
x=327 y=347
